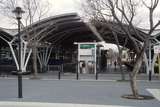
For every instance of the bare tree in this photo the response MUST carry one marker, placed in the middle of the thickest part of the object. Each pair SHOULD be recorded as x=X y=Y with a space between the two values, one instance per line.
x=36 y=10
x=94 y=14
x=123 y=12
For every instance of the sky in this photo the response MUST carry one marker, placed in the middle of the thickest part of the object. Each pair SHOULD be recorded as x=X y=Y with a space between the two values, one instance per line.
x=56 y=7
x=69 y=6
x=65 y=6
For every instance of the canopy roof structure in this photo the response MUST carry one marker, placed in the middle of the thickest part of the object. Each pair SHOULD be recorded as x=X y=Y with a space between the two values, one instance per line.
x=64 y=30
x=106 y=30
x=7 y=34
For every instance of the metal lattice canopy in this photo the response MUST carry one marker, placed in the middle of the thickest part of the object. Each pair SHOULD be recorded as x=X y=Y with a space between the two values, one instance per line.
x=7 y=34
x=64 y=30
x=61 y=30
x=106 y=30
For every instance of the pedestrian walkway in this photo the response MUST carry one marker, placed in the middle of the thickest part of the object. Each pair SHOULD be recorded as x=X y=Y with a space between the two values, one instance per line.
x=35 y=104
x=59 y=93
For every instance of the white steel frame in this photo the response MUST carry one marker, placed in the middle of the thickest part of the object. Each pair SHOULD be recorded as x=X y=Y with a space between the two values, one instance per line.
x=25 y=53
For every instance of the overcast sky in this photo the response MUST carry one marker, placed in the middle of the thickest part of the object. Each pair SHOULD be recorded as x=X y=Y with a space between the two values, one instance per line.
x=57 y=7
x=65 y=6
x=69 y=6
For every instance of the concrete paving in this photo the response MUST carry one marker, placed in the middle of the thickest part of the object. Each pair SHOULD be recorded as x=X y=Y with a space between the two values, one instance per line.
x=73 y=93
x=34 y=104
x=155 y=93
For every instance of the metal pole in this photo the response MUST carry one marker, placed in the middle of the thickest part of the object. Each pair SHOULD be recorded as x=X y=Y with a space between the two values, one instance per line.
x=19 y=61
x=59 y=73
x=77 y=75
x=150 y=63
x=150 y=75
x=78 y=67
x=96 y=75
x=98 y=61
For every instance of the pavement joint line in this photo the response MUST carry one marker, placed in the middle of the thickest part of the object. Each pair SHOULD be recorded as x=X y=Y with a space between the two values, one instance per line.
x=40 y=104
x=50 y=79
x=79 y=80
x=11 y=78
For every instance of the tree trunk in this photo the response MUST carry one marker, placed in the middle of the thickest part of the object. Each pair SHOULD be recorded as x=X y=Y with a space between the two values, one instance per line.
x=134 y=73
x=133 y=84
x=120 y=65
x=119 y=56
x=35 y=61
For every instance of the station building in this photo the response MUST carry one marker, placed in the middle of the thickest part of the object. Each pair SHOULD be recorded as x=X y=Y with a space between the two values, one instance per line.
x=56 y=46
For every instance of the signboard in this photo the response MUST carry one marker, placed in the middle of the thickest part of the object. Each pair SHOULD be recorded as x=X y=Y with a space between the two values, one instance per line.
x=87 y=46
x=87 y=56
x=157 y=49
x=86 y=49
x=85 y=52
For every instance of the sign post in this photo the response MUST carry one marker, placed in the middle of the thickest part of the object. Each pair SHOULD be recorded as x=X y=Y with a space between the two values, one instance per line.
x=157 y=51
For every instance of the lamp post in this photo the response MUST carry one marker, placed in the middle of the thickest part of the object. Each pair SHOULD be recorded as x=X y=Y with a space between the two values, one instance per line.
x=18 y=13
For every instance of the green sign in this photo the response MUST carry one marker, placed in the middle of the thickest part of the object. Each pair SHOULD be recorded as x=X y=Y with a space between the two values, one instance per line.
x=87 y=46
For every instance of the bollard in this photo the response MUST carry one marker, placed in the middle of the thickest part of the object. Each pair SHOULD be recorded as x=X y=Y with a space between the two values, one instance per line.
x=59 y=75
x=96 y=75
x=150 y=75
x=77 y=75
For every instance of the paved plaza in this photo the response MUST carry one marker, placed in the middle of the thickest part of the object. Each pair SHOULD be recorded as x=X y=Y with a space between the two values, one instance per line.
x=75 y=93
